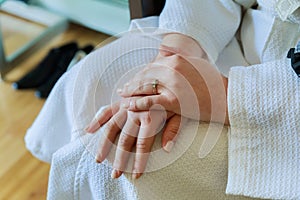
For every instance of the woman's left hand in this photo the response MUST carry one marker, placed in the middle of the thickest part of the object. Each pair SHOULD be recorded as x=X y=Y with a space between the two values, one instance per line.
x=137 y=131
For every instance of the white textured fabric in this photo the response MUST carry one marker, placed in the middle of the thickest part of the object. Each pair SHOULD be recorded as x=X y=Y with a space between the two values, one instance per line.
x=201 y=20
x=264 y=107
x=74 y=173
x=263 y=148
x=264 y=151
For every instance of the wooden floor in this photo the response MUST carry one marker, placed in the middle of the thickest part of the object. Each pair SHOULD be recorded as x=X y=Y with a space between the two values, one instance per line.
x=21 y=175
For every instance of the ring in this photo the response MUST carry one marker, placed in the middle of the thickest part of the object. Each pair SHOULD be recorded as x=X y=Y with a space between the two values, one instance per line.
x=154 y=86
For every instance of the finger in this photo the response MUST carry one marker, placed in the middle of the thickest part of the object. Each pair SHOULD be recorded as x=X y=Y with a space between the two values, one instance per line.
x=124 y=147
x=141 y=87
x=171 y=132
x=145 y=140
x=143 y=146
x=148 y=102
x=166 y=51
x=101 y=117
x=111 y=130
x=104 y=116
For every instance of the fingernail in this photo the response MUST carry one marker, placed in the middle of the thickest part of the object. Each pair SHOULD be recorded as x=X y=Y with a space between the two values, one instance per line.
x=131 y=104
x=115 y=174
x=98 y=159
x=169 y=146
x=125 y=104
x=136 y=175
x=119 y=91
x=93 y=126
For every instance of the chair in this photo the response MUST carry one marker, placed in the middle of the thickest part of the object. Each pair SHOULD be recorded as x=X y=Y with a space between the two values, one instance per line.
x=54 y=25
x=145 y=8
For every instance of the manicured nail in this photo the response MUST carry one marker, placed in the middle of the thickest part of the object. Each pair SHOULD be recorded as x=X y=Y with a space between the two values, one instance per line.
x=136 y=175
x=119 y=91
x=115 y=174
x=169 y=146
x=125 y=104
x=93 y=126
x=98 y=159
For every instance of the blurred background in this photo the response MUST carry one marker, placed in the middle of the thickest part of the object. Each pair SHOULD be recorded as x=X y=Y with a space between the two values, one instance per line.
x=29 y=31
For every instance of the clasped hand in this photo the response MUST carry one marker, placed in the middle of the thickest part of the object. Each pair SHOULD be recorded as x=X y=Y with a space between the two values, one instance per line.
x=188 y=87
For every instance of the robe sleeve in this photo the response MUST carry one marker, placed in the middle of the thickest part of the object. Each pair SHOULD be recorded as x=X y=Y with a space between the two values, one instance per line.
x=264 y=143
x=212 y=23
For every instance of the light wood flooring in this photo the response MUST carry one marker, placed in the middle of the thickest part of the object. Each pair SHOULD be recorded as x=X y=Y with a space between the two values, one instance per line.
x=21 y=175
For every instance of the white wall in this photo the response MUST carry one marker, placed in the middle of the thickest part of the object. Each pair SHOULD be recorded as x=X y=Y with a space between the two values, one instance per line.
x=106 y=16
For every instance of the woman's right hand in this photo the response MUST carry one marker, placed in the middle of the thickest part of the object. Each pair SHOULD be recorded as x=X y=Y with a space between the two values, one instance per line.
x=187 y=86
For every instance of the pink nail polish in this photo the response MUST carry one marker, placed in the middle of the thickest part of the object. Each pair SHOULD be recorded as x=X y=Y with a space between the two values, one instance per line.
x=114 y=174
x=136 y=175
x=169 y=146
x=99 y=159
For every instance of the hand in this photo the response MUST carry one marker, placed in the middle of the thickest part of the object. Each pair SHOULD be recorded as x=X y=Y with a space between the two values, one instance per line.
x=137 y=130
x=188 y=86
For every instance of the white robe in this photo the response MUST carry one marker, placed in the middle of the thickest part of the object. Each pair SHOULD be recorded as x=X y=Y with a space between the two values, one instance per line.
x=258 y=156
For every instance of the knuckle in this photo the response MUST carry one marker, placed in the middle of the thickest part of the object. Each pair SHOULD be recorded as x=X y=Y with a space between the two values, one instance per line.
x=109 y=127
x=146 y=119
x=173 y=100
x=176 y=57
x=105 y=111
x=124 y=142
x=141 y=86
x=108 y=133
x=133 y=117
x=147 y=102
x=175 y=60
x=172 y=131
x=142 y=144
x=134 y=88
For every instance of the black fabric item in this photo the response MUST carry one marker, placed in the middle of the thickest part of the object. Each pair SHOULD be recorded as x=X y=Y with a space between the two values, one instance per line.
x=65 y=58
x=295 y=60
x=88 y=48
x=44 y=90
x=25 y=1
x=45 y=68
